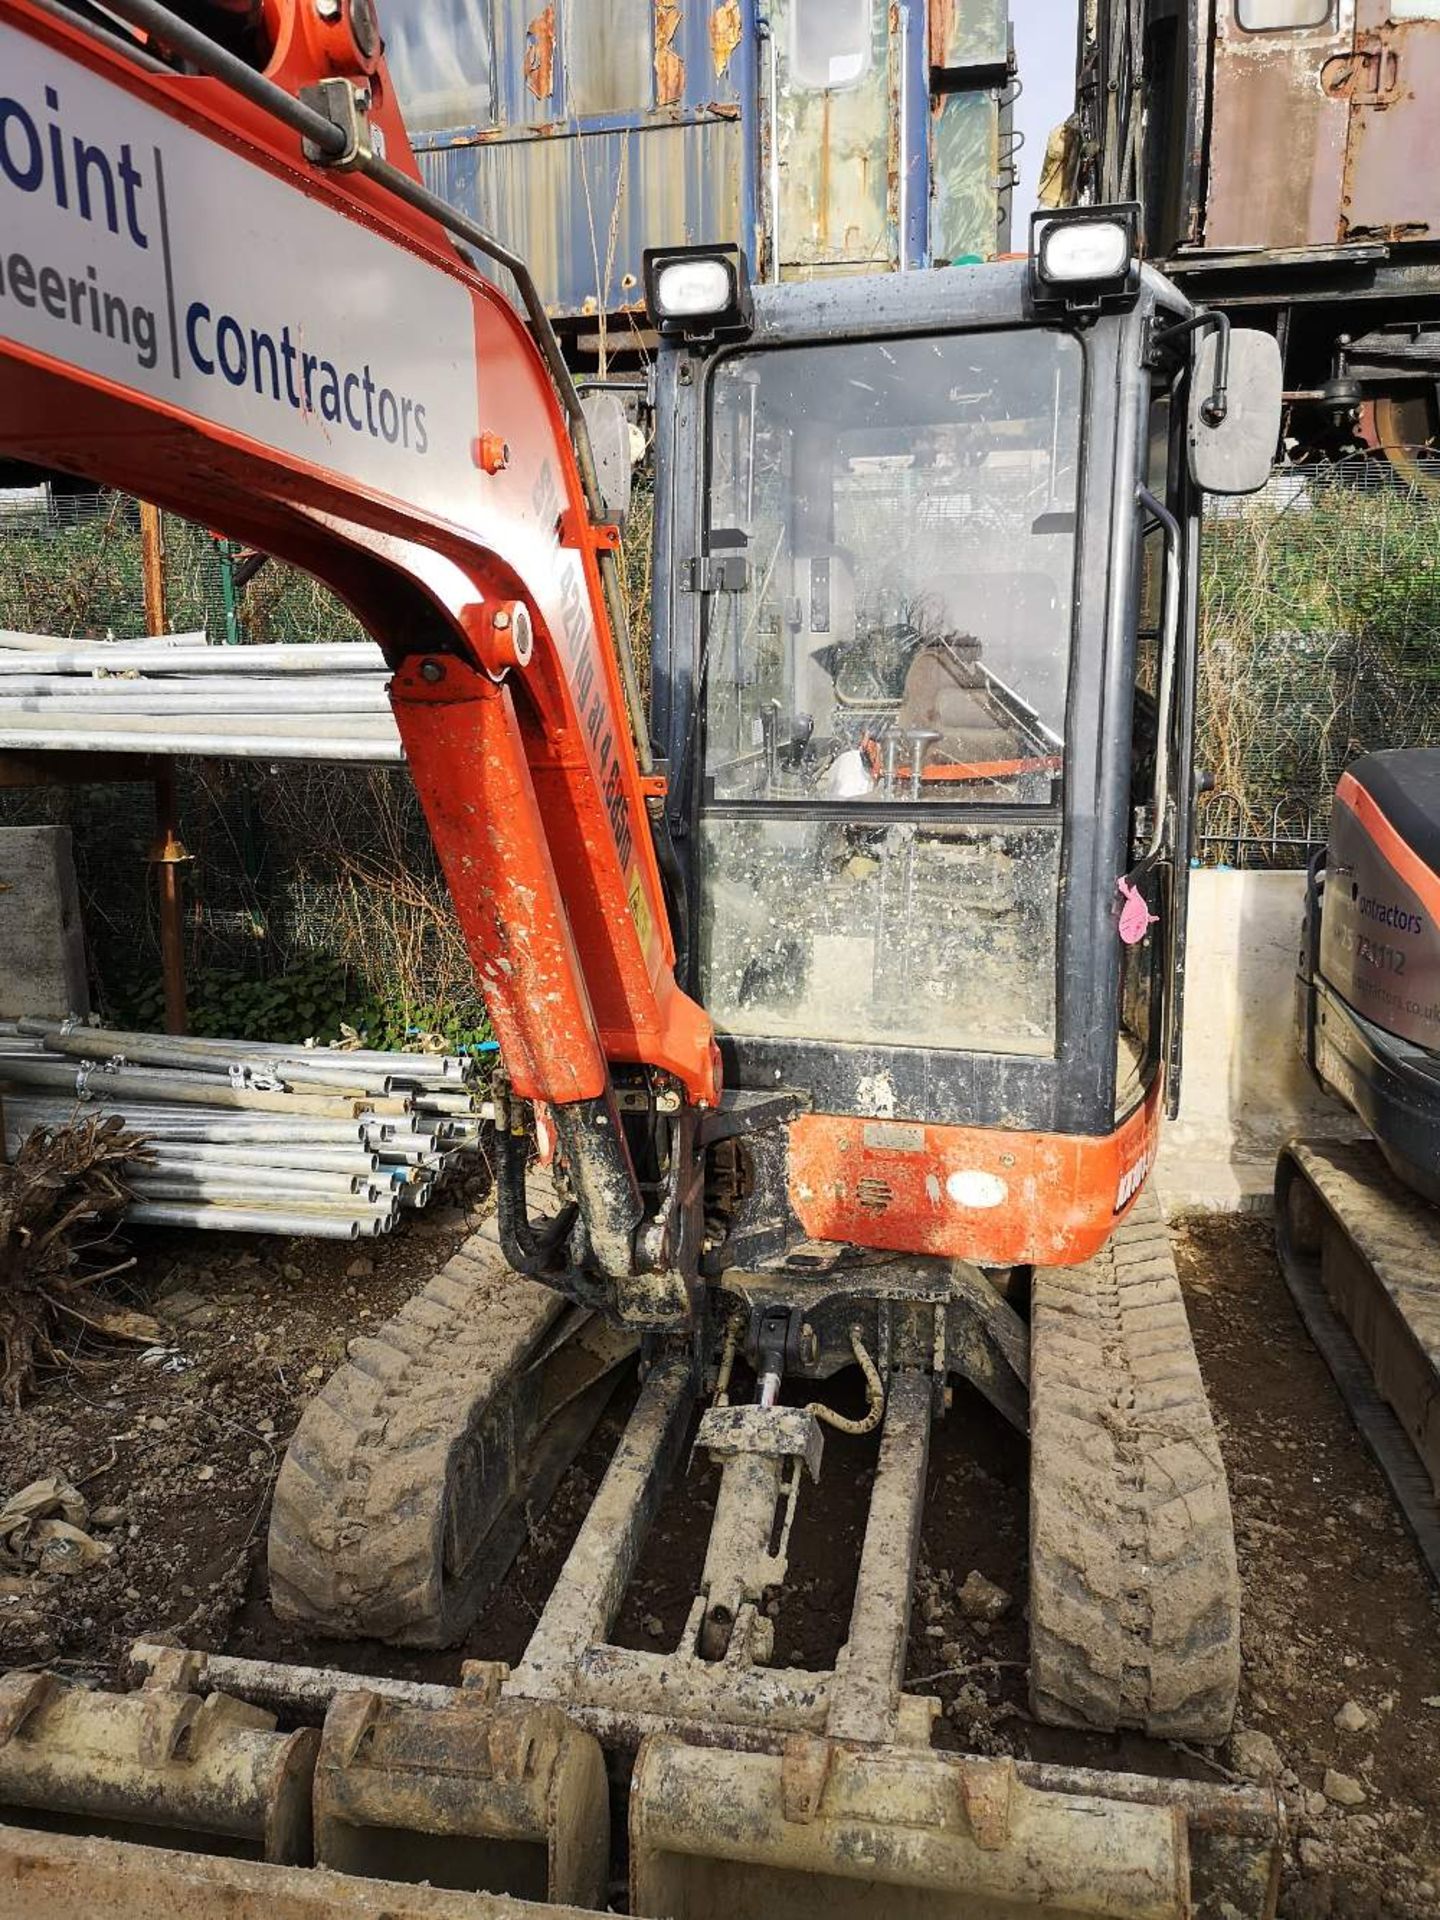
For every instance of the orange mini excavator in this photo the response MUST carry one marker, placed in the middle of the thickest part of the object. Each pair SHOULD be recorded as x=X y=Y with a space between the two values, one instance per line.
x=839 y=986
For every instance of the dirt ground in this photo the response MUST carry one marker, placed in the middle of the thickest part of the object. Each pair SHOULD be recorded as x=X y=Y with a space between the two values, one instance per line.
x=177 y=1450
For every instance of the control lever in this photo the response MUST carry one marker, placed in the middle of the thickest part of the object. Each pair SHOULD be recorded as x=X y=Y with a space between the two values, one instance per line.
x=921 y=740
x=770 y=731
x=791 y=748
x=890 y=741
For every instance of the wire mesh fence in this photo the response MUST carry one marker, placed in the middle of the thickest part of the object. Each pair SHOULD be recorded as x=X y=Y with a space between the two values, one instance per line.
x=313 y=893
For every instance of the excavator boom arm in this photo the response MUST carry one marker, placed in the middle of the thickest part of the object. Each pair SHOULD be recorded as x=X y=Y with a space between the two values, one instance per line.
x=197 y=309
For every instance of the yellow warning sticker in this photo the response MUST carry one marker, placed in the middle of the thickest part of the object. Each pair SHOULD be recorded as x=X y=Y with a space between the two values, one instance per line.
x=640 y=911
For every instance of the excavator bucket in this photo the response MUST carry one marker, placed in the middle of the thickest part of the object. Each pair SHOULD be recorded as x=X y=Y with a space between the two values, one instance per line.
x=472 y=1811
x=492 y=1805
x=164 y=1758
x=470 y=1794
x=845 y=1833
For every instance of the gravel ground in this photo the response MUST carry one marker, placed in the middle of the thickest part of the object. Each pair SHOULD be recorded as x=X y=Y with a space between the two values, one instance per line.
x=176 y=1452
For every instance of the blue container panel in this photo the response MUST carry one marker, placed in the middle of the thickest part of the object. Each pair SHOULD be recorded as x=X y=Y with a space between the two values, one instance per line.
x=499 y=66
x=571 y=204
x=965 y=210
x=582 y=131
x=442 y=59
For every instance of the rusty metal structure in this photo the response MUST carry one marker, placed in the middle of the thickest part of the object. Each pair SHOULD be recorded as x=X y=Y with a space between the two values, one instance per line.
x=823 y=138
x=1287 y=153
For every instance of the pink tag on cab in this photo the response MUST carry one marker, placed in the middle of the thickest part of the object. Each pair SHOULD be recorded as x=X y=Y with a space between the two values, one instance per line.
x=1136 y=918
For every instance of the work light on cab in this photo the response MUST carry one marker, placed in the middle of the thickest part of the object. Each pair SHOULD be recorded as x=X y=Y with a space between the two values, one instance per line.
x=700 y=291
x=1085 y=256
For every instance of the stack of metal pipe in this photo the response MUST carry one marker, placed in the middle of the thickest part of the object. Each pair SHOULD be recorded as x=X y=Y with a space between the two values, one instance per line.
x=326 y=701
x=245 y=1137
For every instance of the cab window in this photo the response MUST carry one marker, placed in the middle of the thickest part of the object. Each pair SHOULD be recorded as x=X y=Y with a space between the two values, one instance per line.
x=441 y=57
x=829 y=42
x=884 y=688
x=1273 y=16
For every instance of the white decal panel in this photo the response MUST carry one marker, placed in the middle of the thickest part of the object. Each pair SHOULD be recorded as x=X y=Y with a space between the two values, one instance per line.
x=1133 y=1178
x=136 y=249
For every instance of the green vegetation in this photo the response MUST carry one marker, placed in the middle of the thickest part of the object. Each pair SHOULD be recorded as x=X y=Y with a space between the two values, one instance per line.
x=318 y=999
x=1321 y=604
x=313 y=898
x=314 y=902
x=76 y=573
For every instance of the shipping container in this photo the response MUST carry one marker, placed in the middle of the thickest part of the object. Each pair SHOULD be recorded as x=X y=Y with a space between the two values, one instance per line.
x=1287 y=153
x=824 y=136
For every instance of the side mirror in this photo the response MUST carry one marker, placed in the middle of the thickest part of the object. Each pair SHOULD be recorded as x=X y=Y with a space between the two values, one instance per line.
x=1235 y=453
x=609 y=430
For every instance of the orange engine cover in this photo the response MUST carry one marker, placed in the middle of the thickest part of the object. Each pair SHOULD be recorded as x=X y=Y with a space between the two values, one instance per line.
x=1000 y=1199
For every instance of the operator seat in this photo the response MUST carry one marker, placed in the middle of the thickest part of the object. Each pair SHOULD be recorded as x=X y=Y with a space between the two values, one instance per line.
x=945 y=694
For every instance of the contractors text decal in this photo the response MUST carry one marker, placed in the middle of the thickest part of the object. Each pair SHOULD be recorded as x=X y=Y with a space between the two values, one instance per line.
x=138 y=250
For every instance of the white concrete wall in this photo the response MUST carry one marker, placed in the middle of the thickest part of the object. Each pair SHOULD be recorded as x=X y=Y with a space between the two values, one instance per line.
x=1245 y=1088
x=42 y=943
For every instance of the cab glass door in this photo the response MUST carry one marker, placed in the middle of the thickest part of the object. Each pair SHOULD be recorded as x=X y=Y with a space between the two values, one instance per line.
x=885 y=688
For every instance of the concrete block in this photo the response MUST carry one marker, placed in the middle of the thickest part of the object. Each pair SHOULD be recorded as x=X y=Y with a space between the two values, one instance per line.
x=1245 y=1088
x=42 y=941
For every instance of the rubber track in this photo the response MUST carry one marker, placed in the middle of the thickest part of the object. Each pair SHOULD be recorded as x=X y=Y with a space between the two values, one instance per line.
x=1134 y=1590
x=1381 y=1344
x=357 y=1545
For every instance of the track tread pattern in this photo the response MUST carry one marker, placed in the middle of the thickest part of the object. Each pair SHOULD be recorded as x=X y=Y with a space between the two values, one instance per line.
x=1360 y=1253
x=1134 y=1588
x=1393 y=1229
x=357 y=1543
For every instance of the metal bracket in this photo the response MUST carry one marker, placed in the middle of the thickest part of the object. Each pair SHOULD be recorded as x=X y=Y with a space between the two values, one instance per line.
x=347 y=107
x=773 y=1433
x=987 y=1792
x=20 y=1696
x=804 y=1769
x=1209 y=320
x=717 y=573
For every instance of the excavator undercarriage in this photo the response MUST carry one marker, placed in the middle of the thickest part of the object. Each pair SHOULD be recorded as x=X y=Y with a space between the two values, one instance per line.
x=1357 y=1231
x=753 y=1789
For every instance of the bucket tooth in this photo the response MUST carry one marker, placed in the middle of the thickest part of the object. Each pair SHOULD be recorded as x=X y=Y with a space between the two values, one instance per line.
x=887 y=1830
x=160 y=1758
x=505 y=1798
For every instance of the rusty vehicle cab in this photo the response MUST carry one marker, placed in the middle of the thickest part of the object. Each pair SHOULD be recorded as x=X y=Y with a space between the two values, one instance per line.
x=1287 y=153
x=924 y=676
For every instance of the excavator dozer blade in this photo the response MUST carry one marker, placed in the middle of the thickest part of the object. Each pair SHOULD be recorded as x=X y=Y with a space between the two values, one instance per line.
x=55 y=1876
x=826 y=1832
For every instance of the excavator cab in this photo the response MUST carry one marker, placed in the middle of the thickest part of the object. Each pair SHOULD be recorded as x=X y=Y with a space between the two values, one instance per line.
x=924 y=672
